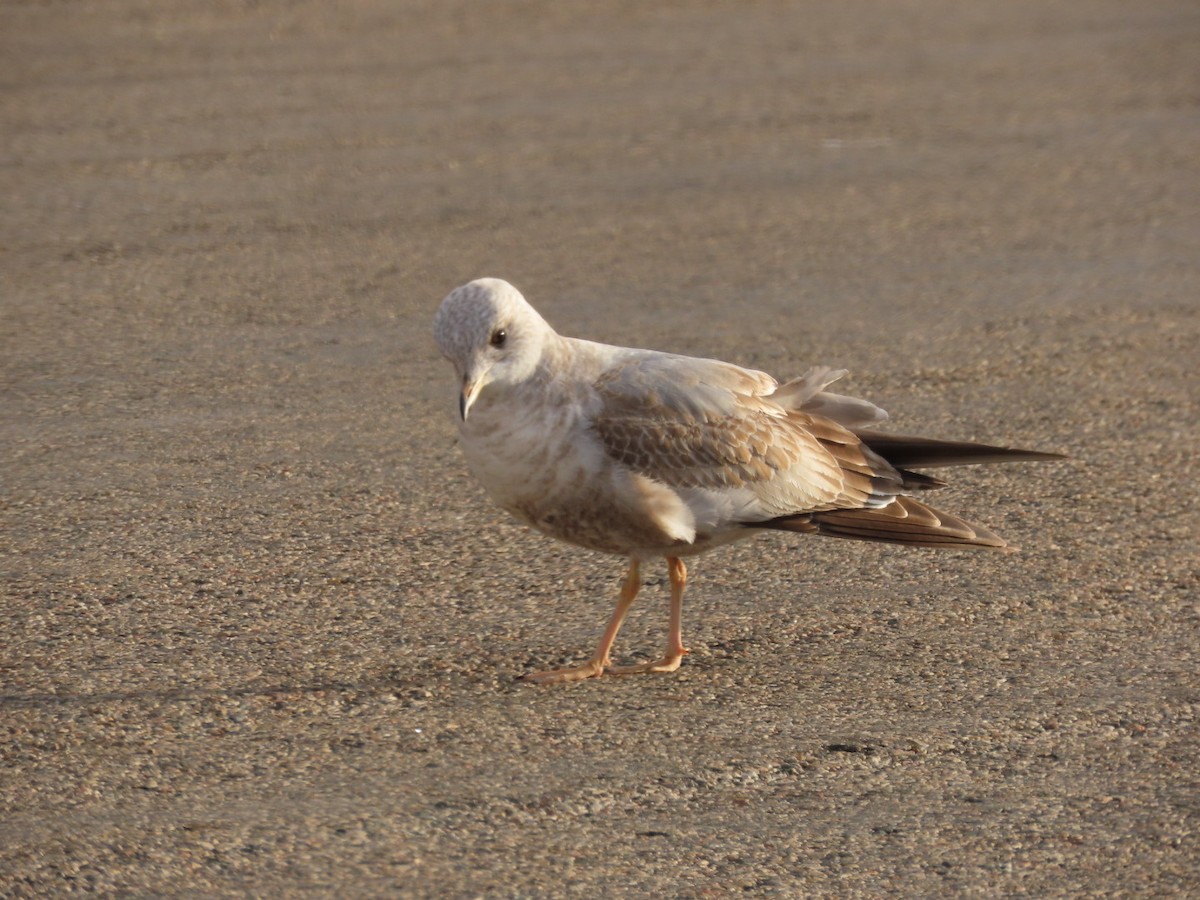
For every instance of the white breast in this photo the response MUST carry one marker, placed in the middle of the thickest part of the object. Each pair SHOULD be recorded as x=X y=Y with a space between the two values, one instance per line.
x=540 y=462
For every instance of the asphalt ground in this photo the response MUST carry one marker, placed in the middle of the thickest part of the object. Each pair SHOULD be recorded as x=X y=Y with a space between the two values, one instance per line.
x=262 y=632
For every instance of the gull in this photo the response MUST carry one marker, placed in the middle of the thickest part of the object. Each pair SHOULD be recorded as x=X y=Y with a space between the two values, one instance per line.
x=644 y=454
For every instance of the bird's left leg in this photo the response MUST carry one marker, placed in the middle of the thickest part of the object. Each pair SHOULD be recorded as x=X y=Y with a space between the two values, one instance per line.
x=675 y=649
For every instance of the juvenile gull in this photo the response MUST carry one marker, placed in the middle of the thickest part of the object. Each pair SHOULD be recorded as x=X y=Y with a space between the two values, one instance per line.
x=646 y=454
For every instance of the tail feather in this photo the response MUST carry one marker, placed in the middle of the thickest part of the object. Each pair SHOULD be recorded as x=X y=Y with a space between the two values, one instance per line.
x=904 y=521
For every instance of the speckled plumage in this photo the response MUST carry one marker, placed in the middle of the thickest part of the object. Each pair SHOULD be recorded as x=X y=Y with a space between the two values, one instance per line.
x=646 y=454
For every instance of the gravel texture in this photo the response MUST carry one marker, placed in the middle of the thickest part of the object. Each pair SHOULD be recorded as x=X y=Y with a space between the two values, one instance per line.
x=261 y=628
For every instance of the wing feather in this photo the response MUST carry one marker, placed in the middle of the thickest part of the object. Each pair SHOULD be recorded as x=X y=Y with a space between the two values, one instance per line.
x=707 y=425
x=904 y=521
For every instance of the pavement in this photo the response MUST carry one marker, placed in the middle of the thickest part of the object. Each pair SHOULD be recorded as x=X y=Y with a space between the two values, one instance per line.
x=262 y=632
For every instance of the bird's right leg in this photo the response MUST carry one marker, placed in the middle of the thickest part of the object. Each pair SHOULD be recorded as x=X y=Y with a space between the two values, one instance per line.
x=600 y=659
x=675 y=649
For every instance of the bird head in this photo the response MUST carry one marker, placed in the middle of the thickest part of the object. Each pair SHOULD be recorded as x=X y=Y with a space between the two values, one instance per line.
x=491 y=335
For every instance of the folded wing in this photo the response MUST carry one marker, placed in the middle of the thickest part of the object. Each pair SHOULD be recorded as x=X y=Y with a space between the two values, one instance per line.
x=803 y=456
x=695 y=424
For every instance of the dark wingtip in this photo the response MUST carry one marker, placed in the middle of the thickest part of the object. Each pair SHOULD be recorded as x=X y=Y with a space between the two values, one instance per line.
x=908 y=451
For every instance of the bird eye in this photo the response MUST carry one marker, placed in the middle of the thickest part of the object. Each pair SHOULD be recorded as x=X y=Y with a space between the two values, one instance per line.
x=499 y=336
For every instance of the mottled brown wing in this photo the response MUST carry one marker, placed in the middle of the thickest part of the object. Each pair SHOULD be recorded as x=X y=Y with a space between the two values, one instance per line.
x=692 y=423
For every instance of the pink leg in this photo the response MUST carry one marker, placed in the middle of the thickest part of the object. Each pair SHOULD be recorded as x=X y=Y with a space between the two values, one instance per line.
x=600 y=659
x=675 y=649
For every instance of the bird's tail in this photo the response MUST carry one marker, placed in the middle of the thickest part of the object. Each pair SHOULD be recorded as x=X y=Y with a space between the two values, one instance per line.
x=903 y=521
